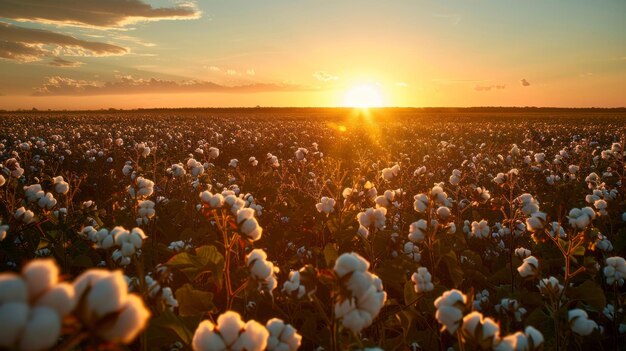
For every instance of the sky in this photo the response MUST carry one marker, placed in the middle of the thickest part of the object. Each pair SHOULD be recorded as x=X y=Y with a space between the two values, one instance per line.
x=92 y=54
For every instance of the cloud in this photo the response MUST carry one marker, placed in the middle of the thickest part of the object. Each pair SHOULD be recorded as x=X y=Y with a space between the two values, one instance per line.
x=93 y=13
x=478 y=87
x=250 y=72
x=57 y=85
x=28 y=45
x=402 y=84
x=59 y=62
x=324 y=76
x=524 y=82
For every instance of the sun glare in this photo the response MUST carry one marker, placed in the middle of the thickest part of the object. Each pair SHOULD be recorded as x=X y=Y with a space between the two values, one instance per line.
x=364 y=96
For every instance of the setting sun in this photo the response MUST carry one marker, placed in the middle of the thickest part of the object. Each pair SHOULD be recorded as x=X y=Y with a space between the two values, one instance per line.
x=364 y=96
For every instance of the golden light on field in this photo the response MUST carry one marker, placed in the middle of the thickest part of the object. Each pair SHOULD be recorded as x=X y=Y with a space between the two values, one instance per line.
x=364 y=96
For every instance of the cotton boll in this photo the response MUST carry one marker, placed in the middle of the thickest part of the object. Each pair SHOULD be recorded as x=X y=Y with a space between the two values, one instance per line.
x=129 y=323
x=40 y=276
x=60 y=298
x=480 y=229
x=206 y=339
x=13 y=319
x=450 y=307
x=580 y=323
x=253 y=338
x=417 y=231
x=41 y=331
x=421 y=203
x=483 y=331
x=12 y=288
x=283 y=337
x=529 y=267
x=107 y=294
x=422 y=280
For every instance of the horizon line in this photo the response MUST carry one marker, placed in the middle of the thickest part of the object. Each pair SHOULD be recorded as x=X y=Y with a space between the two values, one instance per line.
x=112 y=109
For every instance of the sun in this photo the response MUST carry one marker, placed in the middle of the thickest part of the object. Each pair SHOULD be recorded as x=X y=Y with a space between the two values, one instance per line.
x=364 y=96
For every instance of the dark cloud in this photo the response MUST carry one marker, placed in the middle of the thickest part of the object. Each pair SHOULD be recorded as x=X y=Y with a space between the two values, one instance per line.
x=489 y=87
x=130 y=85
x=59 y=62
x=28 y=45
x=92 y=13
x=20 y=52
x=524 y=82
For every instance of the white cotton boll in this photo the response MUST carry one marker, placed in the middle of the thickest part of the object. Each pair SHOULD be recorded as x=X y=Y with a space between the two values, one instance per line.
x=206 y=339
x=422 y=280
x=129 y=322
x=412 y=251
x=282 y=337
x=107 y=294
x=483 y=331
x=534 y=337
x=33 y=192
x=373 y=217
x=455 y=178
x=522 y=253
x=350 y=262
x=550 y=286
x=450 y=307
x=529 y=267
x=326 y=205
x=13 y=319
x=540 y=157
x=127 y=170
x=615 y=270
x=417 y=231
x=253 y=338
x=536 y=221
x=41 y=331
x=580 y=323
x=421 y=203
x=40 y=276
x=480 y=229
x=389 y=173
x=293 y=285
x=581 y=218
x=12 y=288
x=61 y=298
x=601 y=206
x=24 y=215
x=213 y=152
x=443 y=212
x=60 y=185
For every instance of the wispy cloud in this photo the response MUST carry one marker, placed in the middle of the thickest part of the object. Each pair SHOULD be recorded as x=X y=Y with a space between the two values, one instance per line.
x=130 y=85
x=324 y=76
x=479 y=87
x=524 y=82
x=93 y=13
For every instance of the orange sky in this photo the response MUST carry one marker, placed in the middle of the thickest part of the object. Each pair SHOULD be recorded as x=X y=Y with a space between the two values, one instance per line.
x=566 y=53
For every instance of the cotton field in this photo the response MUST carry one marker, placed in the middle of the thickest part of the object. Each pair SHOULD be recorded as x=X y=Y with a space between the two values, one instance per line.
x=282 y=229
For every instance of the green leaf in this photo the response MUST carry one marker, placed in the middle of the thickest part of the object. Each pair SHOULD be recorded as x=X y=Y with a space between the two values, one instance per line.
x=579 y=251
x=589 y=292
x=169 y=321
x=330 y=255
x=192 y=302
x=410 y=296
x=206 y=259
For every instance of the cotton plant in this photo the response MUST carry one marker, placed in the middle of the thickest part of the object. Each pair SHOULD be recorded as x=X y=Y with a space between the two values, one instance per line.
x=364 y=295
x=34 y=306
